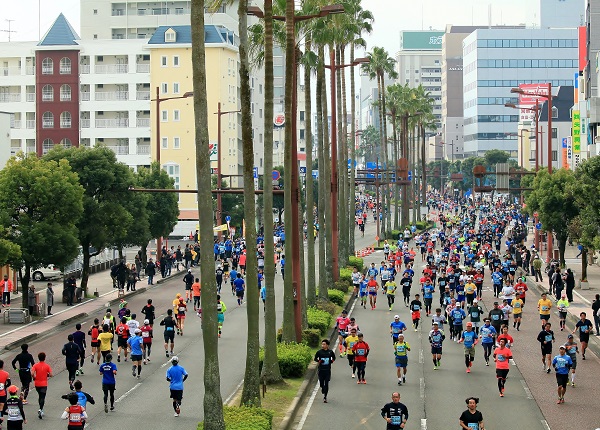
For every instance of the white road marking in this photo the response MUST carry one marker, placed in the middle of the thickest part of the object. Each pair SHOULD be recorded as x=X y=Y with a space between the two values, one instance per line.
x=128 y=392
x=422 y=388
x=421 y=359
x=545 y=425
x=233 y=392
x=512 y=362
x=423 y=423
x=527 y=390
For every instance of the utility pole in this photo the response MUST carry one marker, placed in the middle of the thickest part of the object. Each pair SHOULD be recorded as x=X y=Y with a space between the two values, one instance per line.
x=9 y=31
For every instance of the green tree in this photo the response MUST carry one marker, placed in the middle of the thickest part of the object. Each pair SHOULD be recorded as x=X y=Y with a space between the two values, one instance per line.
x=554 y=203
x=106 y=219
x=162 y=208
x=9 y=251
x=213 y=402
x=40 y=204
x=369 y=147
x=495 y=156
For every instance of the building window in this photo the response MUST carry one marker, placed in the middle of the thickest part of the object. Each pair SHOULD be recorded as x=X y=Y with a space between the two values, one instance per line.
x=176 y=143
x=164 y=116
x=554 y=133
x=173 y=172
x=554 y=155
x=47 y=120
x=95 y=11
x=163 y=61
x=48 y=93
x=65 y=120
x=164 y=88
x=554 y=112
x=47 y=66
x=176 y=115
x=176 y=88
x=65 y=66
x=66 y=143
x=176 y=61
x=170 y=36
x=65 y=93
x=165 y=143
x=301 y=134
x=301 y=116
x=47 y=145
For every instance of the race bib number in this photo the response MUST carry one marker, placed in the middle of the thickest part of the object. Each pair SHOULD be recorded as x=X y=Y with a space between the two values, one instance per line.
x=325 y=360
x=145 y=334
x=400 y=349
x=360 y=351
x=544 y=308
x=181 y=309
x=501 y=357
x=548 y=338
x=473 y=426
x=416 y=307
x=13 y=411
x=75 y=417
x=169 y=328
x=396 y=420
x=495 y=317
x=1 y=386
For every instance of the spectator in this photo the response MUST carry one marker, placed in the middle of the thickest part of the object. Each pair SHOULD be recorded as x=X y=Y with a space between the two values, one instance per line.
x=31 y=299
x=150 y=271
x=71 y=284
x=570 y=284
x=49 y=297
x=595 y=311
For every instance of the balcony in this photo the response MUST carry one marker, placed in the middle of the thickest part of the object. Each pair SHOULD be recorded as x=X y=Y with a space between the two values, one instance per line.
x=85 y=122
x=143 y=149
x=30 y=124
x=48 y=97
x=111 y=95
x=111 y=68
x=142 y=68
x=10 y=97
x=119 y=150
x=65 y=70
x=142 y=95
x=30 y=97
x=47 y=70
x=15 y=123
x=112 y=123
x=84 y=68
x=118 y=12
x=11 y=71
x=47 y=124
x=65 y=97
x=142 y=122
x=30 y=70
x=85 y=97
x=65 y=123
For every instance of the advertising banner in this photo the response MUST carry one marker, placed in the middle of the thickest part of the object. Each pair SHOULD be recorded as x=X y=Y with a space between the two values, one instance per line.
x=535 y=93
x=576 y=127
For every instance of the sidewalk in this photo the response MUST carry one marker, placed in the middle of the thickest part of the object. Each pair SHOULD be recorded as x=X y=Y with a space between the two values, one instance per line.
x=582 y=299
x=13 y=334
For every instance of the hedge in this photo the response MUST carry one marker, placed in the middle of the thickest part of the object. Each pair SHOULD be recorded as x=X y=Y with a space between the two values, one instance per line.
x=311 y=337
x=356 y=262
x=245 y=418
x=327 y=306
x=294 y=359
x=321 y=320
x=342 y=286
x=346 y=275
x=336 y=296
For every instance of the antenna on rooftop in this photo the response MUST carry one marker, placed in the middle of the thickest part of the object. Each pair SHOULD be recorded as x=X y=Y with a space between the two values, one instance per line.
x=9 y=31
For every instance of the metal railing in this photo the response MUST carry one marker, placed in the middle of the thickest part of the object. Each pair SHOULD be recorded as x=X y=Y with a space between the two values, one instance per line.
x=111 y=95
x=143 y=149
x=30 y=97
x=112 y=123
x=47 y=97
x=142 y=122
x=15 y=123
x=65 y=70
x=65 y=97
x=10 y=97
x=30 y=124
x=142 y=95
x=142 y=68
x=111 y=68
x=47 y=124
x=119 y=150
x=85 y=122
x=85 y=97
x=65 y=123
x=84 y=68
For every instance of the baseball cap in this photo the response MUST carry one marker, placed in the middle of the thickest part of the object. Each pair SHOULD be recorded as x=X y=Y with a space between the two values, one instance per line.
x=475 y=300
x=174 y=359
x=495 y=303
x=146 y=321
x=189 y=270
x=359 y=334
x=469 y=324
x=570 y=336
x=396 y=317
x=344 y=311
x=562 y=347
x=13 y=389
x=435 y=323
x=137 y=331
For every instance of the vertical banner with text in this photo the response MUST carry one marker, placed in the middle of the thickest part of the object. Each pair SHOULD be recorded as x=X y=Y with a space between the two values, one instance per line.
x=576 y=127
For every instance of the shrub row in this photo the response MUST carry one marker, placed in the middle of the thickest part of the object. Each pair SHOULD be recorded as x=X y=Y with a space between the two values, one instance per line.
x=294 y=358
x=356 y=262
x=245 y=418
x=336 y=296
x=318 y=319
x=346 y=275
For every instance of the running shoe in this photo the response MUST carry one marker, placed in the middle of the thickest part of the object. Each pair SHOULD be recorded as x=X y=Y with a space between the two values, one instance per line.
x=40 y=415
x=468 y=370
x=105 y=408
x=81 y=372
x=353 y=376
x=404 y=379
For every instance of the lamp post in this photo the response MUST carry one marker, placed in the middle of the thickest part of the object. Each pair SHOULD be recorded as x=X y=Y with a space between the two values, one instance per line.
x=158 y=101
x=334 y=179
x=548 y=97
x=293 y=188
x=219 y=114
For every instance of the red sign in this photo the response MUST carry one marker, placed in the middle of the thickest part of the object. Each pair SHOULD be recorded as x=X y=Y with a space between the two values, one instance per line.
x=534 y=92
x=279 y=120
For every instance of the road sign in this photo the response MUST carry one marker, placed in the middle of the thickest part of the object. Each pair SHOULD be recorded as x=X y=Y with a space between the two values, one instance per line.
x=227 y=218
x=255 y=171
x=315 y=174
x=350 y=163
x=538 y=226
x=276 y=175
x=214 y=171
x=410 y=175
x=279 y=120
x=303 y=170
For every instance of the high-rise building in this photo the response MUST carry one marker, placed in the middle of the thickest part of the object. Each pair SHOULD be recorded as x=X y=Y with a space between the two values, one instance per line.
x=419 y=62
x=127 y=19
x=561 y=13
x=494 y=61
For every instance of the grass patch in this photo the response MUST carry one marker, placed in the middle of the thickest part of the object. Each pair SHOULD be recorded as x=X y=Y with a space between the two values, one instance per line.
x=279 y=397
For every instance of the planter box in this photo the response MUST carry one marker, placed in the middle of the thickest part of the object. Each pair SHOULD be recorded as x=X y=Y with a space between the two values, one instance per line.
x=584 y=285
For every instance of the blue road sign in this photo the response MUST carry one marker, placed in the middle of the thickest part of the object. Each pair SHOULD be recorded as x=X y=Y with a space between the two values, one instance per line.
x=227 y=218
x=276 y=175
x=350 y=163
x=538 y=226
x=410 y=175
x=255 y=170
x=315 y=174
x=303 y=170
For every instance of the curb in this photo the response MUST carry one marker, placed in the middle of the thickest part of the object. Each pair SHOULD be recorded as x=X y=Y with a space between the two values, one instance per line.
x=16 y=343
x=593 y=344
x=73 y=318
x=311 y=372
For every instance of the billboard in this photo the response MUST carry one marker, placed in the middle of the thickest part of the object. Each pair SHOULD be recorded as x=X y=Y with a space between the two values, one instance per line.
x=421 y=40
x=576 y=138
x=534 y=93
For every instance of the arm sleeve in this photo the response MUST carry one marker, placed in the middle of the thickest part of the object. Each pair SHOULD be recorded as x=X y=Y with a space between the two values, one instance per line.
x=64 y=415
x=90 y=398
x=384 y=411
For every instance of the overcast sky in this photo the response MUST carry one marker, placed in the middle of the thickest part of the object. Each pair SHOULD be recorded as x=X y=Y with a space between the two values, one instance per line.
x=390 y=16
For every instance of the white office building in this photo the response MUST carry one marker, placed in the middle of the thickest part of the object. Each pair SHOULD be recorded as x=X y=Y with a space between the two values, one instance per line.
x=494 y=61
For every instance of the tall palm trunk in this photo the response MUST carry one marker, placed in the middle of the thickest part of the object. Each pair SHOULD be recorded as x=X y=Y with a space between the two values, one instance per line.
x=406 y=153
x=341 y=161
x=213 y=402
x=311 y=291
x=396 y=189
x=328 y=173
x=289 y=333
x=351 y=226
x=270 y=372
x=251 y=390
x=323 y=183
x=388 y=218
x=380 y=90
x=348 y=216
x=423 y=170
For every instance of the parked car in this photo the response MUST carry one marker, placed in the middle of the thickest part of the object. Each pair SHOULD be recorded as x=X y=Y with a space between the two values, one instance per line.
x=48 y=272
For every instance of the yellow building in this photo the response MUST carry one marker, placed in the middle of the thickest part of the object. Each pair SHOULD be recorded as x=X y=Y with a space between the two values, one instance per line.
x=171 y=72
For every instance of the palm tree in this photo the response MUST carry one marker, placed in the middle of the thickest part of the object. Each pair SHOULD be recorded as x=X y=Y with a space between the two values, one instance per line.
x=251 y=390
x=213 y=403
x=381 y=64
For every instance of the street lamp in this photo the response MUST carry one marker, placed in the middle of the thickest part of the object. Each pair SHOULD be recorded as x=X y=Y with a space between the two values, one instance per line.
x=293 y=188
x=219 y=114
x=334 y=179
x=158 y=101
x=548 y=97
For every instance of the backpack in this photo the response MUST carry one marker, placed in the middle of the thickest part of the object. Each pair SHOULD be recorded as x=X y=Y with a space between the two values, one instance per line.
x=94 y=332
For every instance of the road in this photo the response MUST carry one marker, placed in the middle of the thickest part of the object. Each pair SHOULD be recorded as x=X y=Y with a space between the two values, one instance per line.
x=435 y=399
x=145 y=403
